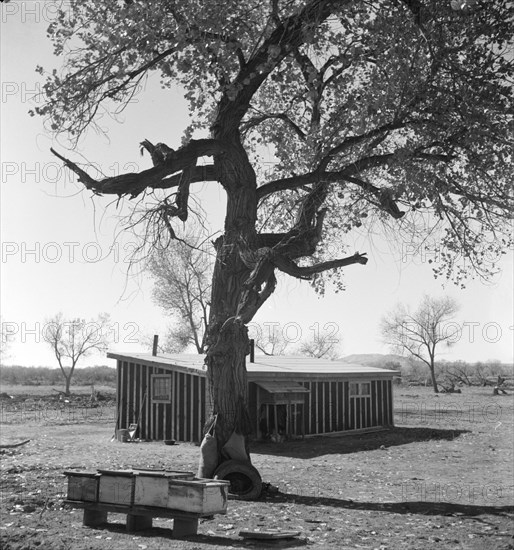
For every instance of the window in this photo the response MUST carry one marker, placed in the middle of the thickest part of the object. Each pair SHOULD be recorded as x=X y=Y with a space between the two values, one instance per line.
x=360 y=389
x=161 y=388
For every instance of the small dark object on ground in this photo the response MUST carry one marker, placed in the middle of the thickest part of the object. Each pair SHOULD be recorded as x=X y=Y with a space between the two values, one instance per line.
x=269 y=534
x=12 y=445
x=169 y=442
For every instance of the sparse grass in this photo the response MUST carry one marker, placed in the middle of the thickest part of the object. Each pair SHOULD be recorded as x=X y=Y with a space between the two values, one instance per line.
x=48 y=390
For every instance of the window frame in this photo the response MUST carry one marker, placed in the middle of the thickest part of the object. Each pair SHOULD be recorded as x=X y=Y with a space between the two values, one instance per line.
x=155 y=378
x=360 y=392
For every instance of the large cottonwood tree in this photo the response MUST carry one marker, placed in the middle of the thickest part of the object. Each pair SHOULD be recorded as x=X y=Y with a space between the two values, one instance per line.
x=392 y=111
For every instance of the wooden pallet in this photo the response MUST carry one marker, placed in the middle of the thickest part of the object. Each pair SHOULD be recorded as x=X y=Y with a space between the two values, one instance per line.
x=139 y=517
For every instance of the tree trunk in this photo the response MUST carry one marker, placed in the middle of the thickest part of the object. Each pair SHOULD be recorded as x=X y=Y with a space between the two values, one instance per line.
x=67 y=386
x=227 y=336
x=434 y=381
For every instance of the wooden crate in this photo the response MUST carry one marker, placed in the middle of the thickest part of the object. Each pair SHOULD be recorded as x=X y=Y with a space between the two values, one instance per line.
x=83 y=486
x=198 y=495
x=116 y=486
x=151 y=487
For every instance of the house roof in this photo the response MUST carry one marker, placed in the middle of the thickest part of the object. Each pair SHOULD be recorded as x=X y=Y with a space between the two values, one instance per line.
x=284 y=366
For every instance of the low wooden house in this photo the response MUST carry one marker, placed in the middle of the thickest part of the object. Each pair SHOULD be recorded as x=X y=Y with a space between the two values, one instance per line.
x=168 y=397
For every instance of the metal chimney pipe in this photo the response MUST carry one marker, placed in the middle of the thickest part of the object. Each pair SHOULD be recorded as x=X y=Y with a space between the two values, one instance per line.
x=155 y=344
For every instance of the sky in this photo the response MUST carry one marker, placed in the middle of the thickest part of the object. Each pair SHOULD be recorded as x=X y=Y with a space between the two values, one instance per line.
x=62 y=250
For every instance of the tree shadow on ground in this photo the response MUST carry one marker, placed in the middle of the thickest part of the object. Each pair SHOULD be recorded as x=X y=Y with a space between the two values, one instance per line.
x=312 y=447
x=424 y=508
x=202 y=537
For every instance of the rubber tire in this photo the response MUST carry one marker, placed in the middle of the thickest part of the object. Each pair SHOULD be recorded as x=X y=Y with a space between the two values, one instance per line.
x=243 y=470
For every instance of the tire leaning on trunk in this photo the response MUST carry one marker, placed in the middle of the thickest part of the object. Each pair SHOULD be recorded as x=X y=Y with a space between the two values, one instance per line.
x=245 y=480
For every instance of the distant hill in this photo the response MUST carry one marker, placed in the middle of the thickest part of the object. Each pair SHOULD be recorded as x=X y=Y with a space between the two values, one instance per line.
x=377 y=360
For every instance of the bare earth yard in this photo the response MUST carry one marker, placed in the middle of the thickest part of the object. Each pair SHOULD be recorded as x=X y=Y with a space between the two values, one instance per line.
x=443 y=479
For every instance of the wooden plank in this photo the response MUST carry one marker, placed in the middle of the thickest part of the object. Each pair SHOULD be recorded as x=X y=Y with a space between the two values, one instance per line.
x=368 y=412
x=138 y=523
x=135 y=398
x=346 y=406
x=148 y=403
x=124 y=397
x=338 y=407
x=83 y=486
x=116 y=489
x=152 y=511
x=308 y=408
x=173 y=423
x=380 y=416
x=184 y=527
x=384 y=400
x=319 y=406
x=190 y=407
x=180 y=405
x=391 y=406
x=333 y=406
x=198 y=495
x=196 y=409
x=93 y=518
x=374 y=403
x=118 y=395
x=389 y=403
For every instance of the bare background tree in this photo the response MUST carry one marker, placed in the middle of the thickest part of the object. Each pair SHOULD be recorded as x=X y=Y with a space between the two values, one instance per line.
x=182 y=275
x=73 y=339
x=6 y=337
x=420 y=332
x=320 y=347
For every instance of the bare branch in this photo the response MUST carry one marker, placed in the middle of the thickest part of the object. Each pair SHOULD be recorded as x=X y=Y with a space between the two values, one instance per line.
x=306 y=272
x=157 y=177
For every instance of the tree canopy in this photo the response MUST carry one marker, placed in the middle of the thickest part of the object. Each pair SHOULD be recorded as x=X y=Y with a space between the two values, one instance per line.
x=396 y=108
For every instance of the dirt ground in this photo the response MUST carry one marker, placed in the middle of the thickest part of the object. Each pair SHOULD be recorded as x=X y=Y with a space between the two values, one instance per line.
x=442 y=479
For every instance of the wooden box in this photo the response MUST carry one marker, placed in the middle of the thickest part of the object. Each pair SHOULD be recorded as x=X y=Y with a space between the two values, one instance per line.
x=151 y=487
x=116 y=487
x=83 y=486
x=198 y=495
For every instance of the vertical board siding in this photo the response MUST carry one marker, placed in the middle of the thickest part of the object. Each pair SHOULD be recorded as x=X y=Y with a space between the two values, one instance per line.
x=327 y=407
x=308 y=407
x=380 y=416
x=320 y=413
x=389 y=384
x=340 y=409
x=374 y=421
x=148 y=404
x=180 y=409
x=119 y=393
x=333 y=407
x=122 y=399
x=196 y=409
